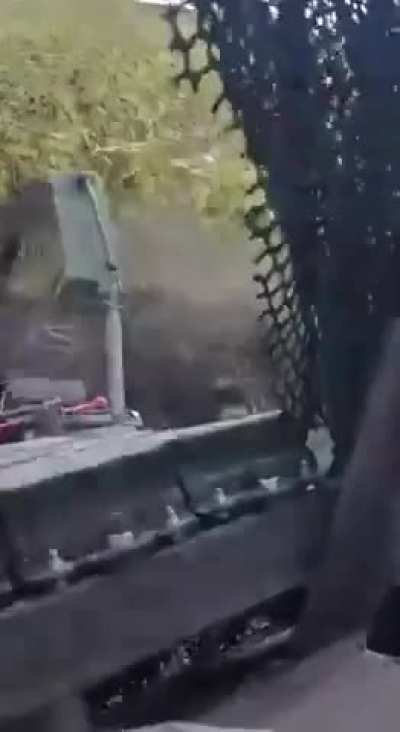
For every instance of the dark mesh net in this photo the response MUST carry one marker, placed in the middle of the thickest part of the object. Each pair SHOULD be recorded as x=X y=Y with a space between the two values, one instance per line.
x=315 y=86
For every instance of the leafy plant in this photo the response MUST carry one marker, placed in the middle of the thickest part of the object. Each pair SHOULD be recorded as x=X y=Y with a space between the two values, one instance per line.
x=91 y=88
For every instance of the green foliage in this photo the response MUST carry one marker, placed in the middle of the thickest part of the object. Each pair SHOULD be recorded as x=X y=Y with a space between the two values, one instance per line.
x=90 y=88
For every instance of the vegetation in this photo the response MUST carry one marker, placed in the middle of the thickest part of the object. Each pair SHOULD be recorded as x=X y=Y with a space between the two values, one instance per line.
x=87 y=85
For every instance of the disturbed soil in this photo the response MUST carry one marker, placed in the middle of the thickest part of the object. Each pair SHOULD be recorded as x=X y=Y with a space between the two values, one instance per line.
x=193 y=345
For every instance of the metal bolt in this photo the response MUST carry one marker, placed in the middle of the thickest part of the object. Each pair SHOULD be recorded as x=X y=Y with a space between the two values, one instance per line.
x=136 y=418
x=58 y=565
x=123 y=541
x=173 y=520
x=271 y=485
x=220 y=497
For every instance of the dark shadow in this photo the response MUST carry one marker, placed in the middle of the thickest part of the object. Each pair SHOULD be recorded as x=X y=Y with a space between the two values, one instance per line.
x=384 y=635
x=142 y=695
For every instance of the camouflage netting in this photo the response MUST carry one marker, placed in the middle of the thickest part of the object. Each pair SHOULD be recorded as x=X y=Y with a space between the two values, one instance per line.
x=315 y=86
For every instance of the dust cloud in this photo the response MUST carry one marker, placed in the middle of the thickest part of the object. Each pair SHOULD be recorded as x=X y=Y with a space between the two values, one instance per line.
x=193 y=346
x=191 y=319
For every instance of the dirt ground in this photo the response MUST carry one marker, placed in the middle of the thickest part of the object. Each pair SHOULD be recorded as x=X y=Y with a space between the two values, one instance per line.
x=190 y=325
x=191 y=319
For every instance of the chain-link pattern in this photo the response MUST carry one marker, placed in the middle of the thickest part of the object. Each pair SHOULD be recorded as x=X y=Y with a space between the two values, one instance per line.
x=244 y=46
x=315 y=86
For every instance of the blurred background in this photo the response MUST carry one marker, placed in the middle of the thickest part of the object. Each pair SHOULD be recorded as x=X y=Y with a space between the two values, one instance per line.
x=89 y=86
